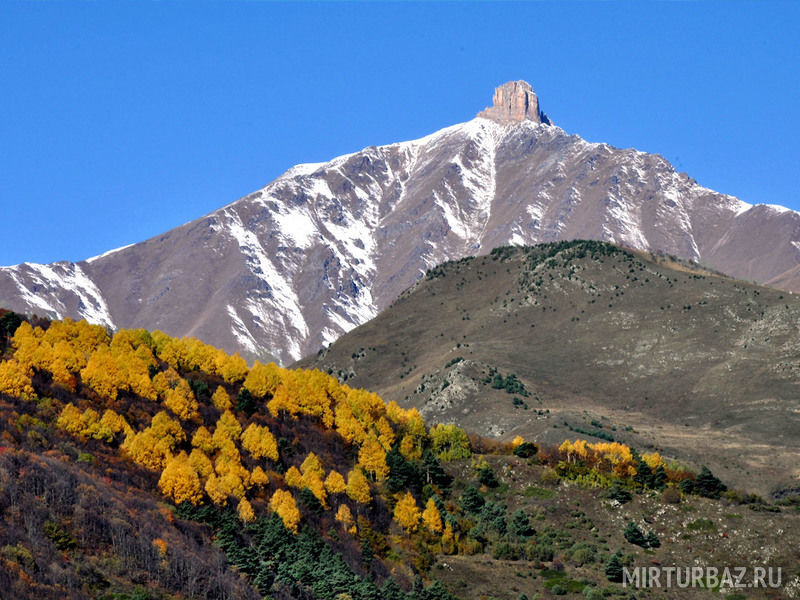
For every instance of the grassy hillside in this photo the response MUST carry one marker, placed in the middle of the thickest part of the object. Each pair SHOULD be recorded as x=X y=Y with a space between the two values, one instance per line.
x=585 y=338
x=138 y=466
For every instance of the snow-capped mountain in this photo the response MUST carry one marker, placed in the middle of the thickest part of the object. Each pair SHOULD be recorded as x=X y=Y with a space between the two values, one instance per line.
x=326 y=246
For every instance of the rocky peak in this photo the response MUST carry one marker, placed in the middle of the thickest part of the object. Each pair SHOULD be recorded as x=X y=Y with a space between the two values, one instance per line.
x=513 y=102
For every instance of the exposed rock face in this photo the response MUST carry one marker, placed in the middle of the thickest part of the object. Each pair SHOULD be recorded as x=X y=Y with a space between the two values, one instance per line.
x=513 y=102
x=325 y=247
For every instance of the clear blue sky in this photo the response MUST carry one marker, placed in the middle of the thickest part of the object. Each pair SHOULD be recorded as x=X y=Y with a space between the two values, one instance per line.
x=121 y=120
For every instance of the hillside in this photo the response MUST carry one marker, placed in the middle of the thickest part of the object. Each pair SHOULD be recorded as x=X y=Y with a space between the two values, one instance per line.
x=141 y=466
x=325 y=247
x=586 y=336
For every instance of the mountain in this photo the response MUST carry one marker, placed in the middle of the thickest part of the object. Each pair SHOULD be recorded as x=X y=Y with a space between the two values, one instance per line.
x=586 y=338
x=325 y=247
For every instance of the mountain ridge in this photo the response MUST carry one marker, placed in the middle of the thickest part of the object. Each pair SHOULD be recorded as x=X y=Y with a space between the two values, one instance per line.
x=287 y=269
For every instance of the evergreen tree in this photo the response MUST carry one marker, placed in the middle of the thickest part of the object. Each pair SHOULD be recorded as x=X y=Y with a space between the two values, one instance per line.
x=614 y=568
x=471 y=500
x=634 y=535
x=520 y=524
x=660 y=478
x=708 y=485
x=652 y=540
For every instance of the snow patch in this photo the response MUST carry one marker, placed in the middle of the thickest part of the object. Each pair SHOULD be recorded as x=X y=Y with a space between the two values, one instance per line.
x=108 y=253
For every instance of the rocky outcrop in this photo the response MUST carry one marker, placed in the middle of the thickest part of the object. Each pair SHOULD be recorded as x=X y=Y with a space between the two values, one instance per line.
x=513 y=102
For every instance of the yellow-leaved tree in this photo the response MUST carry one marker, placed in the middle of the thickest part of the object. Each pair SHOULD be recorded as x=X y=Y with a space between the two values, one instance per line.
x=262 y=380
x=221 y=399
x=358 y=486
x=179 y=481
x=406 y=513
x=431 y=517
x=283 y=504
x=245 y=511
x=260 y=442
x=345 y=517
x=372 y=457
x=335 y=483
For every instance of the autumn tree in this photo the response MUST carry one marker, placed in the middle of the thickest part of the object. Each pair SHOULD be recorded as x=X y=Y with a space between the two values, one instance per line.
x=293 y=477
x=245 y=511
x=407 y=514
x=431 y=517
x=260 y=442
x=284 y=505
x=262 y=380
x=372 y=457
x=259 y=477
x=345 y=517
x=335 y=483
x=221 y=399
x=358 y=486
x=232 y=368
x=179 y=481
x=450 y=442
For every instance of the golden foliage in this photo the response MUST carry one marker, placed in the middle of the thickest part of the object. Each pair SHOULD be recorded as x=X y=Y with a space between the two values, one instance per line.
x=221 y=399
x=283 y=504
x=102 y=374
x=293 y=477
x=406 y=513
x=448 y=539
x=262 y=380
x=260 y=442
x=372 y=457
x=201 y=463
x=517 y=441
x=231 y=368
x=179 y=481
x=345 y=517
x=181 y=401
x=202 y=440
x=245 y=511
x=259 y=477
x=335 y=483
x=358 y=486
x=431 y=517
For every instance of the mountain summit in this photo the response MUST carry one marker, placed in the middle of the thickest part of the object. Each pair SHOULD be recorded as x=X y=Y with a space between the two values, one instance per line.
x=325 y=247
x=513 y=102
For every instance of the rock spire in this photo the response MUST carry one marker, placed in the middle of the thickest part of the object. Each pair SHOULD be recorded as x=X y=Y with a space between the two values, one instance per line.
x=513 y=102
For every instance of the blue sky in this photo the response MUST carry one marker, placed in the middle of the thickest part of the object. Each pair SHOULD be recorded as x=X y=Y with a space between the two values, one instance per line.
x=120 y=120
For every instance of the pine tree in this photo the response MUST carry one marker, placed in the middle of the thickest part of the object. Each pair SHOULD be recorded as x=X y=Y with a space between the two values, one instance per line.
x=634 y=535
x=614 y=568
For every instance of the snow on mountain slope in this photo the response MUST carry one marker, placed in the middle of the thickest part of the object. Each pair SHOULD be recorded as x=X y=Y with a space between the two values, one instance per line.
x=326 y=246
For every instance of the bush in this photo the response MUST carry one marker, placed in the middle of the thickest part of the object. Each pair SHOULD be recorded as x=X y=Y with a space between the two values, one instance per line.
x=671 y=495
x=526 y=450
x=619 y=494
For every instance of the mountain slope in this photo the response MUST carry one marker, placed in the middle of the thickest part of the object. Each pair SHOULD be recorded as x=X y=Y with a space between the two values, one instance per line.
x=599 y=340
x=325 y=247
